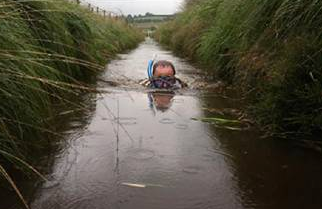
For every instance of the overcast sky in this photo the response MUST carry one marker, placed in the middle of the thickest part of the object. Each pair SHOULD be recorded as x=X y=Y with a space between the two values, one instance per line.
x=138 y=6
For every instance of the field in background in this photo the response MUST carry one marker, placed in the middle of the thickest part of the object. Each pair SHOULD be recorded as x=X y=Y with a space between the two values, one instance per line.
x=148 y=23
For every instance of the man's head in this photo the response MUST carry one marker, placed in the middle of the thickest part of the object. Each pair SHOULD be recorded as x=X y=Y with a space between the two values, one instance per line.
x=163 y=68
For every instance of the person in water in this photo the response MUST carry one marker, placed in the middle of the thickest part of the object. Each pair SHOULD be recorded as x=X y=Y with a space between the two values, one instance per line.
x=163 y=77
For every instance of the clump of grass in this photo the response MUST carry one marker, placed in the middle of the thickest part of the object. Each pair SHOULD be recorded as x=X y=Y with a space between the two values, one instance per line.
x=49 y=49
x=271 y=48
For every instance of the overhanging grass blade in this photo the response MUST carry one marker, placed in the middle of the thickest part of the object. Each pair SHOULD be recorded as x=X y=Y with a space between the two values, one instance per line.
x=4 y=173
x=24 y=163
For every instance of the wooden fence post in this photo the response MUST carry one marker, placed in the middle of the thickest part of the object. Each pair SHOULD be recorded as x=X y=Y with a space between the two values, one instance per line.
x=78 y=1
x=97 y=10
x=104 y=13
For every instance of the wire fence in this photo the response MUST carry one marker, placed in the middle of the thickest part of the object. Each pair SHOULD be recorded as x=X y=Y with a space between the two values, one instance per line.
x=96 y=9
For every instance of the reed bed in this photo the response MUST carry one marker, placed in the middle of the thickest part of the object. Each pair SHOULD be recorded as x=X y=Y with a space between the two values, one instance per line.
x=271 y=49
x=49 y=50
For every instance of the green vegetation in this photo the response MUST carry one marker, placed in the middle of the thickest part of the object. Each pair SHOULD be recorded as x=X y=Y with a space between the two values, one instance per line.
x=148 y=17
x=48 y=50
x=271 y=49
x=148 y=22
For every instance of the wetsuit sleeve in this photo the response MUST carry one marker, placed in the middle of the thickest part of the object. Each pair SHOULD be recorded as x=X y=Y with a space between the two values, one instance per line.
x=182 y=84
x=145 y=82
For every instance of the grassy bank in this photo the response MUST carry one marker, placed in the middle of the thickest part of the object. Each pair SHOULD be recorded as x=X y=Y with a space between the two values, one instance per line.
x=270 y=49
x=48 y=49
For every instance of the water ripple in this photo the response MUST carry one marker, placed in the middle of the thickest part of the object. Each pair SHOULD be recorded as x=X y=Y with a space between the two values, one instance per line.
x=127 y=120
x=181 y=126
x=166 y=121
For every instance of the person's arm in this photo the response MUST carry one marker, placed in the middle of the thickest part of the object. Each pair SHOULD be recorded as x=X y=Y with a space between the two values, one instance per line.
x=183 y=84
x=145 y=82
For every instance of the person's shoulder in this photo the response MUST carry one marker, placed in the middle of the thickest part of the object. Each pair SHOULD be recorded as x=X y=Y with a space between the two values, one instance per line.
x=145 y=82
x=183 y=84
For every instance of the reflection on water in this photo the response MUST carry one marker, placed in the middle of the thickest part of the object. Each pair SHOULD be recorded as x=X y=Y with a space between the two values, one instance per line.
x=165 y=149
x=66 y=120
x=142 y=150
x=160 y=101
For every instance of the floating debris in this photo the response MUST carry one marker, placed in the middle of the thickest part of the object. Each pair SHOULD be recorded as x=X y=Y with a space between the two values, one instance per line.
x=140 y=185
x=217 y=120
x=214 y=110
x=234 y=125
x=134 y=185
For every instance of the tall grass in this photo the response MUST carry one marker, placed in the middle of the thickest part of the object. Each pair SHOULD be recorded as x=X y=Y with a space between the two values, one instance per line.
x=49 y=49
x=271 y=48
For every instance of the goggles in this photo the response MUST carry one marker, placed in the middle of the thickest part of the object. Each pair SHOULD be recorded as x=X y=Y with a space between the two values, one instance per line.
x=163 y=82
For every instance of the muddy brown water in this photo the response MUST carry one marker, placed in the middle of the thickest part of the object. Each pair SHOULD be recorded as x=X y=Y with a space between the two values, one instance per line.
x=141 y=150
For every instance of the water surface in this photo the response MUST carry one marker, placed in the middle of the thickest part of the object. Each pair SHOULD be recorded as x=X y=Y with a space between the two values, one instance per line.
x=141 y=150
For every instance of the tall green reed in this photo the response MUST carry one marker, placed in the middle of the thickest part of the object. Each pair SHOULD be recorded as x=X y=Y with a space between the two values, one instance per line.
x=49 y=49
x=271 y=48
